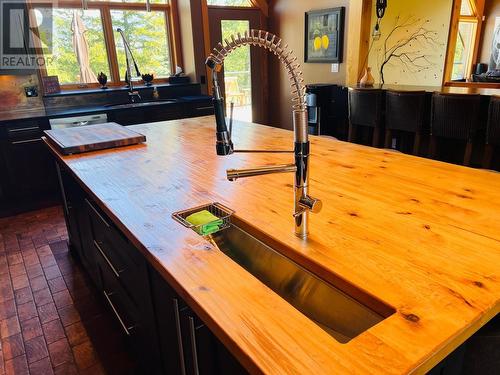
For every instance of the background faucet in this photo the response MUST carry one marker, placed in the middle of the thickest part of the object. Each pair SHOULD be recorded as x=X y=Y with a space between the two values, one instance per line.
x=133 y=95
x=224 y=145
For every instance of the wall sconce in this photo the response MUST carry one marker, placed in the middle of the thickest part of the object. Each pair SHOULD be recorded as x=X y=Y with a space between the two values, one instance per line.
x=380 y=5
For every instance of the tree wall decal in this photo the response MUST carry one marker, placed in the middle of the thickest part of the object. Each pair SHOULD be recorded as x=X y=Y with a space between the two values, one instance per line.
x=408 y=44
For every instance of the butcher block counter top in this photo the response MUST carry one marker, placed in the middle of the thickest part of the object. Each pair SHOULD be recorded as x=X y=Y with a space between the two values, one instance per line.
x=420 y=236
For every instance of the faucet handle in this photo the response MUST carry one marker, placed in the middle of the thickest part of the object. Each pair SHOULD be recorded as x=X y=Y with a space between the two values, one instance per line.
x=308 y=203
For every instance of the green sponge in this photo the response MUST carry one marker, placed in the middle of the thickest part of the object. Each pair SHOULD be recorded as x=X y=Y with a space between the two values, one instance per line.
x=206 y=222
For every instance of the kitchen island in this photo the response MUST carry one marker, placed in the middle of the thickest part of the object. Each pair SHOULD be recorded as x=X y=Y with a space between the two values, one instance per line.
x=413 y=239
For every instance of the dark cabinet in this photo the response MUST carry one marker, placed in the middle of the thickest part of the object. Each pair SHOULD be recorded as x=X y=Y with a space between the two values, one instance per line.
x=28 y=170
x=128 y=116
x=187 y=346
x=78 y=223
x=165 y=335
x=122 y=276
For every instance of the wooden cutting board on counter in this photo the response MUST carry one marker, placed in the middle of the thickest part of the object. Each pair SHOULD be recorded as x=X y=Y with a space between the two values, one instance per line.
x=81 y=139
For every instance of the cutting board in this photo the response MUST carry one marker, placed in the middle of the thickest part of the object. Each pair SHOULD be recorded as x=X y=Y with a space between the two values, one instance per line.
x=93 y=137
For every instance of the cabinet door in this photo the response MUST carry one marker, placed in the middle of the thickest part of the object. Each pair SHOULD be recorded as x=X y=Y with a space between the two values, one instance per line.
x=30 y=169
x=199 y=345
x=165 y=112
x=187 y=346
x=78 y=223
x=168 y=307
x=128 y=116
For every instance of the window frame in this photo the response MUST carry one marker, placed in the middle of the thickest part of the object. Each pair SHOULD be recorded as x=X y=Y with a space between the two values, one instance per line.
x=470 y=56
x=477 y=8
x=170 y=11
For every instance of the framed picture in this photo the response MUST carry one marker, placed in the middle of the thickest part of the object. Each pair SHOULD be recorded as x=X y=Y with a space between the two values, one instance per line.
x=324 y=36
x=50 y=85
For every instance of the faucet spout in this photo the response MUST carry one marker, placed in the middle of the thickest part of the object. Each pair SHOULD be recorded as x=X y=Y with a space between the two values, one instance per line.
x=234 y=174
x=133 y=94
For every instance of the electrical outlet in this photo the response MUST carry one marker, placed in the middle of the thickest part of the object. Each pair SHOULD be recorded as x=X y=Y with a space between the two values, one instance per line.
x=335 y=68
x=31 y=91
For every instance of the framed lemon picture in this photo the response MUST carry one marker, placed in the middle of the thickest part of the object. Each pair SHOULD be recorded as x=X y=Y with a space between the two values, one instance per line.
x=324 y=35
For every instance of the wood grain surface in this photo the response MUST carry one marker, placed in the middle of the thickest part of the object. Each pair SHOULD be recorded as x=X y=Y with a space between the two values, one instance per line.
x=421 y=236
x=80 y=139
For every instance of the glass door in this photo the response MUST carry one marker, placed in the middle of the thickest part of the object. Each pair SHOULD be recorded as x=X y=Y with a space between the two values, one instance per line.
x=243 y=70
x=237 y=72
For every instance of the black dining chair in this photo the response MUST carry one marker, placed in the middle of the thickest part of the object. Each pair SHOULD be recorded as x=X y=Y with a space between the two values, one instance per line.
x=365 y=109
x=492 y=131
x=405 y=111
x=454 y=116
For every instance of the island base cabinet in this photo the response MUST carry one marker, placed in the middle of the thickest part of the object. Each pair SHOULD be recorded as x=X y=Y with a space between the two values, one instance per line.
x=187 y=346
x=164 y=334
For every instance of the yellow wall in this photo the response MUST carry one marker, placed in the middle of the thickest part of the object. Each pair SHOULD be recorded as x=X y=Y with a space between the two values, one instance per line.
x=287 y=21
x=436 y=14
x=491 y=11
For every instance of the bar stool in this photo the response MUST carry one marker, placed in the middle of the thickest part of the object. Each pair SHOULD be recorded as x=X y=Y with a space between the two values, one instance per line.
x=365 y=109
x=454 y=116
x=405 y=111
x=492 y=131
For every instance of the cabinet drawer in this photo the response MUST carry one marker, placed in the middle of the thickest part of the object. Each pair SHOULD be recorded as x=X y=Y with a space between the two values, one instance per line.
x=117 y=300
x=200 y=109
x=121 y=259
x=25 y=131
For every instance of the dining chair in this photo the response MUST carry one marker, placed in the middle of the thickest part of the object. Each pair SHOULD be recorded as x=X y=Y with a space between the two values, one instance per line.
x=365 y=109
x=404 y=111
x=492 y=131
x=454 y=116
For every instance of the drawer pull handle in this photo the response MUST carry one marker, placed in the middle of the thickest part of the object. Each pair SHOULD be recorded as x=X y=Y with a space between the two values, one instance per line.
x=113 y=268
x=192 y=333
x=18 y=130
x=179 y=334
x=33 y=140
x=125 y=328
x=97 y=213
x=203 y=108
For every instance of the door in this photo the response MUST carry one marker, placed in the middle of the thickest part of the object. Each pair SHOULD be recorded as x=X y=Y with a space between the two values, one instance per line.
x=244 y=75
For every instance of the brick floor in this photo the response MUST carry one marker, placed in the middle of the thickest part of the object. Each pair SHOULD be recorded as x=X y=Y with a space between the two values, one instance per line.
x=50 y=321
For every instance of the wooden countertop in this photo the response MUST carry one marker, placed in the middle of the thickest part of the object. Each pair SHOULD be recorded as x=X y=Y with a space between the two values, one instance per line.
x=420 y=235
x=445 y=89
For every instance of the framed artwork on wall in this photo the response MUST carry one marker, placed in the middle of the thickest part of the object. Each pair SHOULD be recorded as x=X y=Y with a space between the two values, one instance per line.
x=324 y=35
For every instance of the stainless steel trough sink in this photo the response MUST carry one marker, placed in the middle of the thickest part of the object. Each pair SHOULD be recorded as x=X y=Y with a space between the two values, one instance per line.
x=334 y=311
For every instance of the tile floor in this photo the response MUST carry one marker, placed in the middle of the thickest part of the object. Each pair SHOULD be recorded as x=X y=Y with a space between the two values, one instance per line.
x=50 y=322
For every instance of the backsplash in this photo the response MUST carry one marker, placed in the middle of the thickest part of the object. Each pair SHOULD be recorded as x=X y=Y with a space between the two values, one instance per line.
x=13 y=96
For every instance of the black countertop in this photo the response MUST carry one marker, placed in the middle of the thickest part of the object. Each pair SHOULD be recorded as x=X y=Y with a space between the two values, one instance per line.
x=83 y=110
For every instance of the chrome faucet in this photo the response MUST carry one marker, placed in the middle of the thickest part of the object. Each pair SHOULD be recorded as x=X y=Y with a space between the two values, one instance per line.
x=132 y=94
x=224 y=145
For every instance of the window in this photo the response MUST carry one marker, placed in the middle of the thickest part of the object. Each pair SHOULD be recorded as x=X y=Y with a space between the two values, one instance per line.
x=466 y=38
x=463 y=50
x=83 y=47
x=64 y=60
x=145 y=32
x=234 y=3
